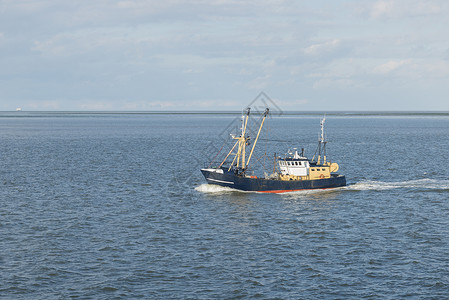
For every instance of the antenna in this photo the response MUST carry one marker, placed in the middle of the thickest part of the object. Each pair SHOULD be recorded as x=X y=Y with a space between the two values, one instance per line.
x=322 y=129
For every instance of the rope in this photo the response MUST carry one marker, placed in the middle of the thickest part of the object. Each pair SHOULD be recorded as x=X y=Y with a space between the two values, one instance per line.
x=216 y=155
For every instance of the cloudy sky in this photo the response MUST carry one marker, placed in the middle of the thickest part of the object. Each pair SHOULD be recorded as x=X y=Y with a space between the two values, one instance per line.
x=220 y=54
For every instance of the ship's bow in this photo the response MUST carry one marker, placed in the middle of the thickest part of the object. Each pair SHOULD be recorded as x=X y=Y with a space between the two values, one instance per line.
x=219 y=176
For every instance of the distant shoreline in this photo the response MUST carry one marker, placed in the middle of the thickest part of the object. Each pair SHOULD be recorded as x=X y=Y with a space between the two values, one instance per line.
x=285 y=113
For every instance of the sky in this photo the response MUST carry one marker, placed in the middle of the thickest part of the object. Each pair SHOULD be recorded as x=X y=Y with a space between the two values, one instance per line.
x=144 y=55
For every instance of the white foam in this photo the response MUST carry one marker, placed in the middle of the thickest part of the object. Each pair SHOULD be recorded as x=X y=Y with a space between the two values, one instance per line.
x=427 y=184
x=320 y=193
x=311 y=191
x=214 y=188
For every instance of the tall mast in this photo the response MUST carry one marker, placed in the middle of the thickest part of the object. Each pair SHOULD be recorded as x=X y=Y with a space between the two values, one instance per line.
x=322 y=142
x=257 y=137
x=242 y=141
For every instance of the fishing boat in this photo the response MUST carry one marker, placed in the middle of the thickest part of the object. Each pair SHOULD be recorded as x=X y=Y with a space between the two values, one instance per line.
x=294 y=171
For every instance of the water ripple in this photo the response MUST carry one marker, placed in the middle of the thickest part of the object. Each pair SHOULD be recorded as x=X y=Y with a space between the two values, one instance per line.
x=113 y=206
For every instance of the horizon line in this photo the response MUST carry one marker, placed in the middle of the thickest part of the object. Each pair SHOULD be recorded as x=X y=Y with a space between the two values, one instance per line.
x=280 y=112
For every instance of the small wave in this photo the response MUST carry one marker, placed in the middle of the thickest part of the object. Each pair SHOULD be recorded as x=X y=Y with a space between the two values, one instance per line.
x=213 y=188
x=312 y=191
x=426 y=184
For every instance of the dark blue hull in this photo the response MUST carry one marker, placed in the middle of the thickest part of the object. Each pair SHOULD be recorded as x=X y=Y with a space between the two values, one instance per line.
x=229 y=179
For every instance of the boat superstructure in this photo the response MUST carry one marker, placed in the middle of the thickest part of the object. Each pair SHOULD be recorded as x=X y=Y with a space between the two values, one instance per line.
x=296 y=172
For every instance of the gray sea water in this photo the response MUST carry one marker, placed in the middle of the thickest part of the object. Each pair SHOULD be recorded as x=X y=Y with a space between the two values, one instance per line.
x=113 y=205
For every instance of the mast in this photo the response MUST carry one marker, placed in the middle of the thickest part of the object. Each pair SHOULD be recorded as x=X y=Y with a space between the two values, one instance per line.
x=239 y=160
x=241 y=141
x=258 y=133
x=322 y=143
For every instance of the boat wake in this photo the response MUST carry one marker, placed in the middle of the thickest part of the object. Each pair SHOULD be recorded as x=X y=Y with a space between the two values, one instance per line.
x=312 y=192
x=215 y=189
x=366 y=185
x=422 y=184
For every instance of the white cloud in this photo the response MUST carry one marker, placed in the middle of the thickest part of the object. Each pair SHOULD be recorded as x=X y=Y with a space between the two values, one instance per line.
x=404 y=8
x=382 y=8
x=427 y=72
x=183 y=53
x=260 y=83
x=322 y=48
x=390 y=66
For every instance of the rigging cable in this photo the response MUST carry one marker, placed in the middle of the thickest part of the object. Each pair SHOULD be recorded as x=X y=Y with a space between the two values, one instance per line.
x=216 y=155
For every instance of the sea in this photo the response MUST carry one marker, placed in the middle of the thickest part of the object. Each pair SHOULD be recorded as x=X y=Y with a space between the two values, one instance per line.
x=112 y=205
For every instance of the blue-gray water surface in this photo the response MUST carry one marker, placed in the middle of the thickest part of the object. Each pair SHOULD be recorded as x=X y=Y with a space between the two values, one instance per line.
x=113 y=205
